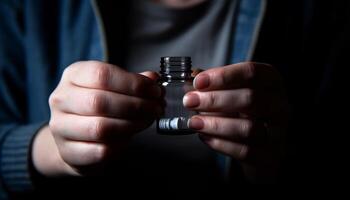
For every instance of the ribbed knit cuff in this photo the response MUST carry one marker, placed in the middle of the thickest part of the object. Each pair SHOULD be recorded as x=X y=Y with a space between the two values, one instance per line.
x=15 y=158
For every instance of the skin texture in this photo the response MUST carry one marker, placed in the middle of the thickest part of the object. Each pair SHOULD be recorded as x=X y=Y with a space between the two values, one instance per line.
x=95 y=110
x=243 y=114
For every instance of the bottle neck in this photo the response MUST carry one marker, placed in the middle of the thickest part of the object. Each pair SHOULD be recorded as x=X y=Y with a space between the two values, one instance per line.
x=175 y=68
x=176 y=76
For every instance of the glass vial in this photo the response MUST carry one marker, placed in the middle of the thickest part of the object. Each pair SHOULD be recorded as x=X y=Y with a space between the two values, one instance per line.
x=176 y=79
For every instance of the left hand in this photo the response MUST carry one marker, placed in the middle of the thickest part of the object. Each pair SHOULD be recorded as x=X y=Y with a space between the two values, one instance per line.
x=243 y=112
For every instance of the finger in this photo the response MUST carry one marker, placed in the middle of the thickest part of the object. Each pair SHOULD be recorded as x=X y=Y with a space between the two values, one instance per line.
x=239 y=130
x=103 y=76
x=151 y=75
x=226 y=101
x=239 y=151
x=92 y=102
x=245 y=131
x=220 y=114
x=234 y=76
x=253 y=103
x=78 y=153
x=95 y=129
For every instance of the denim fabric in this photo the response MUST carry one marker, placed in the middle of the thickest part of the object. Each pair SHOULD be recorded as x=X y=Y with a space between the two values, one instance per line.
x=248 y=22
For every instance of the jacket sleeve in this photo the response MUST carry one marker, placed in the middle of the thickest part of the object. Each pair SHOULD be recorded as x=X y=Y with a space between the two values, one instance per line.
x=16 y=132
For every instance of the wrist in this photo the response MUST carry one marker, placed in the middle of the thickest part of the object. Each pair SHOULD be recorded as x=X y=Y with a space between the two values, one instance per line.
x=46 y=159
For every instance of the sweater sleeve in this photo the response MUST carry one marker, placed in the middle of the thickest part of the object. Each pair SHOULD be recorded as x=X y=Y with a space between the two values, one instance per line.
x=15 y=160
x=16 y=132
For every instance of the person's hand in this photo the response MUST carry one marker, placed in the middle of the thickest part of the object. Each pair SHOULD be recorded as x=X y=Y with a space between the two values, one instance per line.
x=95 y=110
x=243 y=113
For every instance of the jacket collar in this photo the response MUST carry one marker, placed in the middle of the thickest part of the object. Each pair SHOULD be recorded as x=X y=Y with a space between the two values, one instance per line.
x=249 y=18
x=101 y=29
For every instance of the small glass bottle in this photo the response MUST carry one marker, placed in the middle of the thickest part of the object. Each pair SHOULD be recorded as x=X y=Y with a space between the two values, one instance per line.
x=176 y=80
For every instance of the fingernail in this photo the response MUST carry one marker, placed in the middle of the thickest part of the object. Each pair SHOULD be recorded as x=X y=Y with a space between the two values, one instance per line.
x=196 y=123
x=204 y=138
x=201 y=81
x=156 y=91
x=191 y=100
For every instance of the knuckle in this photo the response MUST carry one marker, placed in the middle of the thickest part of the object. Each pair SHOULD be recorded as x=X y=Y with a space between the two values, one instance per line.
x=214 y=125
x=220 y=73
x=246 y=129
x=138 y=105
x=54 y=100
x=97 y=129
x=250 y=70
x=97 y=103
x=72 y=68
x=248 y=98
x=68 y=70
x=102 y=72
x=100 y=153
x=212 y=101
x=137 y=87
x=216 y=144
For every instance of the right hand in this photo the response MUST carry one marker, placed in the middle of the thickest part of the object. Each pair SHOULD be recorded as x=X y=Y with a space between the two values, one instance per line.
x=95 y=110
